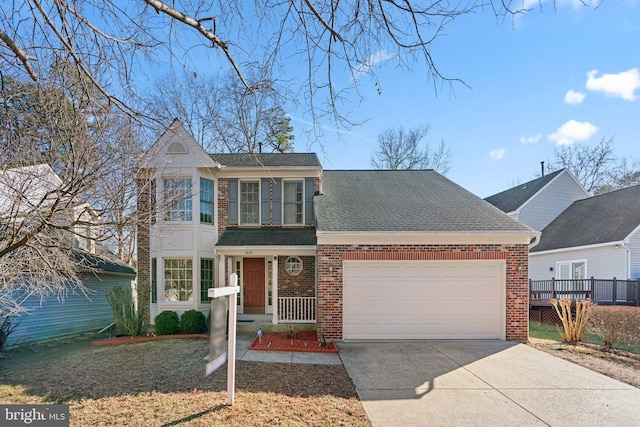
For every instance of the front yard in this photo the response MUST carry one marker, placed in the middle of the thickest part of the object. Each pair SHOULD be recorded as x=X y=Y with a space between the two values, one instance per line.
x=162 y=383
x=620 y=364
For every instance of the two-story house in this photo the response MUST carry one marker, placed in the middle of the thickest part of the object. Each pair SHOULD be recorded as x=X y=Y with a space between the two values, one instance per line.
x=29 y=195
x=362 y=254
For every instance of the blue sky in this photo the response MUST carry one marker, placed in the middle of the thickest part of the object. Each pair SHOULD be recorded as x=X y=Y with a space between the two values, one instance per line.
x=550 y=77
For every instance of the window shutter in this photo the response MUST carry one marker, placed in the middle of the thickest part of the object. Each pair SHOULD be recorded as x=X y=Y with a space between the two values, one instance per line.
x=277 y=202
x=265 y=199
x=233 y=201
x=309 y=192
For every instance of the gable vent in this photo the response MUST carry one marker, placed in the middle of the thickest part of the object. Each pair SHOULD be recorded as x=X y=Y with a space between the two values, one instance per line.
x=176 y=148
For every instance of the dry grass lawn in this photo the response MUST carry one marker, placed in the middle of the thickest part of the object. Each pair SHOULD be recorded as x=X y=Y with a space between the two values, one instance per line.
x=162 y=383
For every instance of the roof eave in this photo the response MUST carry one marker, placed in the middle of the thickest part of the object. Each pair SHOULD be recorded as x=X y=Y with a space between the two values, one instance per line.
x=259 y=250
x=407 y=237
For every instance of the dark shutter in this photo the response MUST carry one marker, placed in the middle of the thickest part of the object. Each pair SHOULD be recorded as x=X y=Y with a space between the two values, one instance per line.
x=265 y=198
x=309 y=191
x=233 y=201
x=277 y=202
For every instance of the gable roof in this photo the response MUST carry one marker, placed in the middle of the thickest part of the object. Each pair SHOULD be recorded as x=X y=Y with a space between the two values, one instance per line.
x=511 y=199
x=267 y=160
x=405 y=201
x=175 y=142
x=608 y=217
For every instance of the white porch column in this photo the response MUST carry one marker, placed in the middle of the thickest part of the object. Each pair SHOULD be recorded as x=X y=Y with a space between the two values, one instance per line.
x=274 y=290
x=220 y=280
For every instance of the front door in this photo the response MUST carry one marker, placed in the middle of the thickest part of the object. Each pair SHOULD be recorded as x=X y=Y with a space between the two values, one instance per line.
x=253 y=273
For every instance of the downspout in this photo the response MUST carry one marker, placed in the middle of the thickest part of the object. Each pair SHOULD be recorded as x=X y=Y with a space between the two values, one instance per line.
x=626 y=248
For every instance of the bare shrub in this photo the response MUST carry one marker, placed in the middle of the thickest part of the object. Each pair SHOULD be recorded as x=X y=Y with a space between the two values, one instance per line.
x=615 y=327
x=573 y=325
x=8 y=325
x=126 y=316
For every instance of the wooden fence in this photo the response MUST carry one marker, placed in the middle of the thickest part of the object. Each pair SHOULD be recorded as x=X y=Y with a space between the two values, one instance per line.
x=601 y=291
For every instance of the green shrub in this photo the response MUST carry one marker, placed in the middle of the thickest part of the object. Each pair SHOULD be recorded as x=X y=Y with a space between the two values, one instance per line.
x=193 y=322
x=167 y=323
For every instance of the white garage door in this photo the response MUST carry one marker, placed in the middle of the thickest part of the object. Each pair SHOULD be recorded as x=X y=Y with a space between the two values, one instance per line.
x=423 y=299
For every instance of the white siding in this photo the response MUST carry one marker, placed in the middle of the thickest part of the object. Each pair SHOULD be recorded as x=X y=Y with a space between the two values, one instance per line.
x=604 y=262
x=545 y=206
x=78 y=314
x=634 y=247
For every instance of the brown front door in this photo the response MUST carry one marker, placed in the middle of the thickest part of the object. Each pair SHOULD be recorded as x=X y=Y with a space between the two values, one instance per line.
x=253 y=272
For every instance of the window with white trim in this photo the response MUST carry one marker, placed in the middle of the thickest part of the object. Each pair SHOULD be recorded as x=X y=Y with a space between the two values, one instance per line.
x=206 y=278
x=571 y=269
x=250 y=203
x=293 y=203
x=293 y=266
x=177 y=197
x=178 y=279
x=206 y=201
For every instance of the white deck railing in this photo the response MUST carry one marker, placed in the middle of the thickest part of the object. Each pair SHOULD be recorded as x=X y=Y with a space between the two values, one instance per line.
x=297 y=309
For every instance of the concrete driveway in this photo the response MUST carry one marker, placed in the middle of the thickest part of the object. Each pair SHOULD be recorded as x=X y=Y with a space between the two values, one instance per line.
x=483 y=383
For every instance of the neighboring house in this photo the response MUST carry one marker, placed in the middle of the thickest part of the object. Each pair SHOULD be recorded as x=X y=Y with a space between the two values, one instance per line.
x=538 y=202
x=26 y=193
x=596 y=237
x=362 y=254
x=77 y=312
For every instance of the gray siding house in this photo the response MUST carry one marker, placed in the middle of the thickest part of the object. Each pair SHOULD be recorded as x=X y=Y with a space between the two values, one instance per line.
x=595 y=237
x=538 y=202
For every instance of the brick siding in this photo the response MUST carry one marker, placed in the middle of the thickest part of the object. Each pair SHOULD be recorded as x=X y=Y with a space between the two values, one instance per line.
x=223 y=205
x=143 y=248
x=330 y=262
x=302 y=285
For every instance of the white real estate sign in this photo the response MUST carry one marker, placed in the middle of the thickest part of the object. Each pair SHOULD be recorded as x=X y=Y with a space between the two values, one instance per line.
x=217 y=353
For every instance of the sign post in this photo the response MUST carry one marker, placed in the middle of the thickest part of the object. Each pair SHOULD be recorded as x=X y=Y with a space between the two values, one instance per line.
x=217 y=353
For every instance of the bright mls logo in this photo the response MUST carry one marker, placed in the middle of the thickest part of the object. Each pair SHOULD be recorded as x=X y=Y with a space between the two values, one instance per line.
x=36 y=415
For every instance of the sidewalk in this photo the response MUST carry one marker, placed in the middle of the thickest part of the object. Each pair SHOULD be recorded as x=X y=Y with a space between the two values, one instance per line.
x=243 y=340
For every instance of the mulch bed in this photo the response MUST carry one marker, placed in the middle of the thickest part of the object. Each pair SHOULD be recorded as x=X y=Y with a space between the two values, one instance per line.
x=305 y=341
x=143 y=338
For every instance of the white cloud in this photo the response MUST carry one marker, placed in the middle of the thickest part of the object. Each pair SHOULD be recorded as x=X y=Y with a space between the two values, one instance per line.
x=373 y=60
x=574 y=98
x=497 y=154
x=622 y=85
x=573 y=131
x=531 y=139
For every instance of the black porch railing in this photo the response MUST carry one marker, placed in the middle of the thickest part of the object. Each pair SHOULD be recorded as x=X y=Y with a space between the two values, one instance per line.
x=601 y=291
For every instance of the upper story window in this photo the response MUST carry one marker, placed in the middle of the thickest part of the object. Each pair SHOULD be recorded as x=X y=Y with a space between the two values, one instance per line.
x=206 y=201
x=293 y=202
x=250 y=203
x=177 y=196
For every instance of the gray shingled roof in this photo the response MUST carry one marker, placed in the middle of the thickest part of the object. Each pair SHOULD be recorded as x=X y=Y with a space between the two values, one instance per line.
x=87 y=261
x=268 y=159
x=234 y=236
x=405 y=201
x=511 y=199
x=609 y=217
